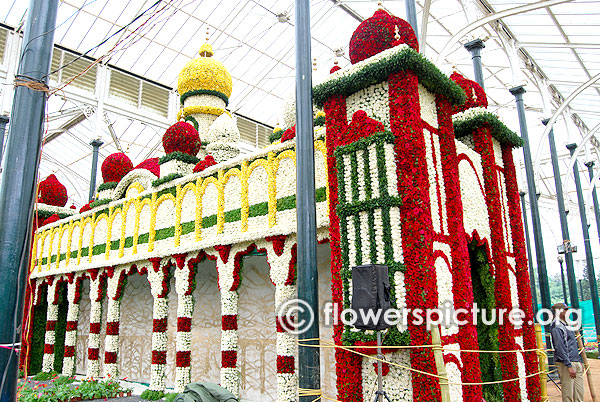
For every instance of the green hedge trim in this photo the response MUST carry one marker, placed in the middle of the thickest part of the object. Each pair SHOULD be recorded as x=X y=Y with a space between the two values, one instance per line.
x=233 y=215
x=98 y=203
x=500 y=132
x=166 y=179
x=180 y=156
x=275 y=135
x=108 y=186
x=406 y=59
x=260 y=209
x=194 y=92
x=355 y=208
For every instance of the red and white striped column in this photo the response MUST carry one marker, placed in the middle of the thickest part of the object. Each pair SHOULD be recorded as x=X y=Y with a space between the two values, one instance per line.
x=51 y=317
x=184 y=286
x=228 y=283
x=158 y=276
x=114 y=291
x=281 y=256
x=73 y=298
x=96 y=293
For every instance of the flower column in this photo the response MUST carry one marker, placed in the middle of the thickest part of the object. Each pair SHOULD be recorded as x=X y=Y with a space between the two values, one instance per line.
x=229 y=280
x=158 y=277
x=281 y=256
x=524 y=290
x=416 y=223
x=184 y=286
x=96 y=293
x=51 y=317
x=482 y=137
x=114 y=291
x=73 y=297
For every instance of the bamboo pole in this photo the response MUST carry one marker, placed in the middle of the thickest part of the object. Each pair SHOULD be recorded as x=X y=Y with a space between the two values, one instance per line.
x=436 y=340
x=586 y=365
x=542 y=362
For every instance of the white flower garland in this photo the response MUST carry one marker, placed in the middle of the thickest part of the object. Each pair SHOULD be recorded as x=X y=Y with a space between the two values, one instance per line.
x=397 y=383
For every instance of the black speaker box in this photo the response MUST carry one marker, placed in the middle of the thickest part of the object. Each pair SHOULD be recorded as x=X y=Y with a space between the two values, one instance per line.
x=370 y=295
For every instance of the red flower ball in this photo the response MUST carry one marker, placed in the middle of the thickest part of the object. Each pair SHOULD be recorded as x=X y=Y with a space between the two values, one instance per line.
x=51 y=219
x=203 y=164
x=182 y=137
x=150 y=165
x=377 y=34
x=116 y=166
x=476 y=96
x=52 y=192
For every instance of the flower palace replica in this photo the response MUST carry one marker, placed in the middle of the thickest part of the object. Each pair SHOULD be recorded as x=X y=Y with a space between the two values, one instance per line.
x=175 y=272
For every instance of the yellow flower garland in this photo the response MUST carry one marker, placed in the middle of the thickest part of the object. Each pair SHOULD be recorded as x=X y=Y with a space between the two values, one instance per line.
x=270 y=163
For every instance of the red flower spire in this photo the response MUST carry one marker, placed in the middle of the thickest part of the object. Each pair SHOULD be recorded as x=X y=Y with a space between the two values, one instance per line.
x=378 y=33
x=116 y=166
x=476 y=96
x=52 y=192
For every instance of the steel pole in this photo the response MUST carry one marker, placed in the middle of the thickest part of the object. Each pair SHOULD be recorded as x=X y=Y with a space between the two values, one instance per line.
x=590 y=166
x=96 y=144
x=529 y=256
x=411 y=16
x=474 y=47
x=564 y=285
x=589 y=258
x=308 y=280
x=535 y=214
x=18 y=188
x=3 y=123
x=562 y=214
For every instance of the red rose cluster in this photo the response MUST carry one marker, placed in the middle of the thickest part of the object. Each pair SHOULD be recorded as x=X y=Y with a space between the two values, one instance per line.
x=115 y=167
x=203 y=164
x=52 y=192
x=289 y=134
x=361 y=126
x=476 y=96
x=150 y=165
x=182 y=137
x=51 y=219
x=376 y=34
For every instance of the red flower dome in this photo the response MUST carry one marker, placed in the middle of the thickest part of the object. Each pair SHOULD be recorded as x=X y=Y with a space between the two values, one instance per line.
x=376 y=34
x=52 y=192
x=116 y=166
x=203 y=164
x=182 y=137
x=151 y=165
x=476 y=96
x=51 y=219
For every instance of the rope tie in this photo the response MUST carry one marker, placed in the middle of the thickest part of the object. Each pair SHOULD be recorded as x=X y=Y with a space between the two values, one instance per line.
x=32 y=84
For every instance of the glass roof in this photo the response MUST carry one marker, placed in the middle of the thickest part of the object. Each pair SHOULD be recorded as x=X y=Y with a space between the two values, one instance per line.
x=552 y=50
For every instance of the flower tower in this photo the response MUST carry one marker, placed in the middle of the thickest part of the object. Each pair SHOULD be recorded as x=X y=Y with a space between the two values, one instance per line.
x=491 y=144
x=204 y=86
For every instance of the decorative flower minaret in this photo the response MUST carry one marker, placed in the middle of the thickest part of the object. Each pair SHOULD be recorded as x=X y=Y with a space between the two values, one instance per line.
x=205 y=86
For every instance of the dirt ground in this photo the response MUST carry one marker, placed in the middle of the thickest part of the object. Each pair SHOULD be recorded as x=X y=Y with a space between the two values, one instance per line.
x=554 y=393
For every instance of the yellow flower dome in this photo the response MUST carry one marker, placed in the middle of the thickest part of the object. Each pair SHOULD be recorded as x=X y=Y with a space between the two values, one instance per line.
x=204 y=75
